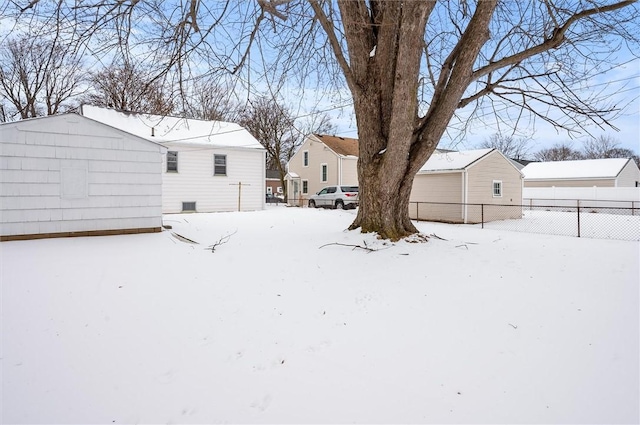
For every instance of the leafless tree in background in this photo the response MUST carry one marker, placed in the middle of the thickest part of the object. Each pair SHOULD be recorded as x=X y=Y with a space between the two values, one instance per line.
x=513 y=147
x=209 y=100
x=558 y=152
x=38 y=77
x=413 y=69
x=276 y=128
x=607 y=147
x=128 y=87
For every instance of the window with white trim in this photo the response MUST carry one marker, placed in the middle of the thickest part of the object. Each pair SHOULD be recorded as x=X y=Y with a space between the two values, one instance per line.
x=305 y=158
x=172 y=162
x=305 y=187
x=497 y=188
x=219 y=165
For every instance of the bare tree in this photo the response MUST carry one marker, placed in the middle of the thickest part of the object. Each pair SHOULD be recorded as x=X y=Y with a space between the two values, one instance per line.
x=607 y=147
x=410 y=66
x=38 y=77
x=131 y=88
x=558 y=152
x=512 y=147
x=275 y=127
x=209 y=100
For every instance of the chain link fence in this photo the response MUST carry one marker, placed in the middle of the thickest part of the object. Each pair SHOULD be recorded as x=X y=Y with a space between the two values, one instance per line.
x=582 y=219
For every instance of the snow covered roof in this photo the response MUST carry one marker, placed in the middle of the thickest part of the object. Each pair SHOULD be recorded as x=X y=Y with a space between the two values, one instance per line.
x=580 y=169
x=453 y=161
x=174 y=130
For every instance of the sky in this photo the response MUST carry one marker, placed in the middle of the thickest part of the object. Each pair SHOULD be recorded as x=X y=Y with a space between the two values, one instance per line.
x=624 y=90
x=281 y=324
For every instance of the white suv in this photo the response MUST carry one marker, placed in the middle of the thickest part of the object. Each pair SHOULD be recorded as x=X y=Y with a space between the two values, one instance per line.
x=339 y=197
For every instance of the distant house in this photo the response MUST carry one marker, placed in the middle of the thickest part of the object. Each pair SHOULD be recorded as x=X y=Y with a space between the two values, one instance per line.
x=321 y=161
x=67 y=175
x=609 y=172
x=209 y=166
x=273 y=185
x=467 y=187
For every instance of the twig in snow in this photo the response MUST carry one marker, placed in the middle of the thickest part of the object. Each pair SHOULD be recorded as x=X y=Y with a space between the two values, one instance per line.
x=223 y=240
x=463 y=245
x=365 y=247
x=182 y=238
x=437 y=237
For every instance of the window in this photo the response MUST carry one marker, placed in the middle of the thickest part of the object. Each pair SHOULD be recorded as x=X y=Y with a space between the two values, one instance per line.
x=172 y=162
x=188 y=206
x=305 y=186
x=305 y=158
x=324 y=172
x=497 y=188
x=219 y=165
x=331 y=189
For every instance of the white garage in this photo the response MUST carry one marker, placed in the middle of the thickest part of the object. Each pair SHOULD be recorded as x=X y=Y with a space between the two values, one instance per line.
x=68 y=175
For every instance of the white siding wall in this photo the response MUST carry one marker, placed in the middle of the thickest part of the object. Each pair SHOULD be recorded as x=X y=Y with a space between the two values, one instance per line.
x=349 y=171
x=69 y=174
x=195 y=182
x=445 y=188
x=629 y=175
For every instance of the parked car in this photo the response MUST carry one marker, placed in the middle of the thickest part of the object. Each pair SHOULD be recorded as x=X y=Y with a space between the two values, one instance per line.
x=339 y=197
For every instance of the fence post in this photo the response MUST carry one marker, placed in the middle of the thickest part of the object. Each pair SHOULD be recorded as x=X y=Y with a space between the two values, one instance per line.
x=633 y=208
x=482 y=214
x=578 y=208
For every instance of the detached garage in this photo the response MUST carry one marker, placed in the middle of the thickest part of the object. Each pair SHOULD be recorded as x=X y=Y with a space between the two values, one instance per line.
x=67 y=175
x=467 y=187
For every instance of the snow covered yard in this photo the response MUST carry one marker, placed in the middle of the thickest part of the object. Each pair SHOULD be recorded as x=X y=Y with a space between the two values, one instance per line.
x=488 y=326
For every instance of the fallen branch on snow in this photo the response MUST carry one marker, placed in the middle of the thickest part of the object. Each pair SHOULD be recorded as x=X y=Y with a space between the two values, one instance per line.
x=223 y=240
x=354 y=247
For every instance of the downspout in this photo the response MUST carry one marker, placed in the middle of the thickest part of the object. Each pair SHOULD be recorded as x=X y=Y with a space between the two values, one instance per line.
x=465 y=182
x=339 y=170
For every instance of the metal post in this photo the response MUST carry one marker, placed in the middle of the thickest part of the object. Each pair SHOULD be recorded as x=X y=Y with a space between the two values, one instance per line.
x=482 y=214
x=578 y=208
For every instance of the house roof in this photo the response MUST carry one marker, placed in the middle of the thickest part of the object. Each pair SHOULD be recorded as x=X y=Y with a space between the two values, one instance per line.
x=273 y=174
x=344 y=146
x=453 y=161
x=174 y=130
x=580 y=169
x=71 y=117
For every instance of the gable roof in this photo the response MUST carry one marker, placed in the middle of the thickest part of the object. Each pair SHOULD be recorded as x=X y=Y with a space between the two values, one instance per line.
x=579 y=169
x=72 y=117
x=453 y=161
x=344 y=146
x=174 y=130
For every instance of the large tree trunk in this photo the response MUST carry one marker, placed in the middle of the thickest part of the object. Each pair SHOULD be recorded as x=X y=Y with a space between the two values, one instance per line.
x=385 y=41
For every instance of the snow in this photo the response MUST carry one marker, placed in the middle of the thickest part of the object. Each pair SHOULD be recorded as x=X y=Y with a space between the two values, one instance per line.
x=453 y=160
x=276 y=326
x=172 y=130
x=578 y=169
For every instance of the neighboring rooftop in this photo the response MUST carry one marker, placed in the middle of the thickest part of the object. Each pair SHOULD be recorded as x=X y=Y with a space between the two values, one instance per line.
x=344 y=146
x=445 y=161
x=579 y=169
x=174 y=130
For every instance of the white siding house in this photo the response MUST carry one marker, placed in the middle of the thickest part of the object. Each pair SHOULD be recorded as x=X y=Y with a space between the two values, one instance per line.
x=210 y=166
x=67 y=175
